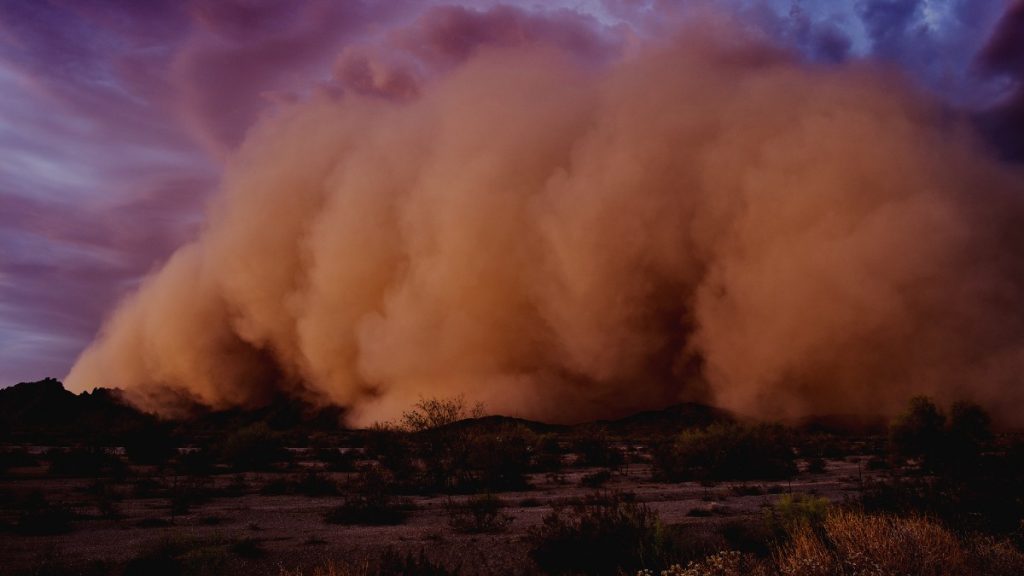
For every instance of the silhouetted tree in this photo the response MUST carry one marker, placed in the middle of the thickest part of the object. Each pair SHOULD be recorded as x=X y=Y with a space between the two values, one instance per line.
x=919 y=432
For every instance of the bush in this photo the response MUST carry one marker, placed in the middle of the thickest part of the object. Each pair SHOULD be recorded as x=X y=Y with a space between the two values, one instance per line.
x=431 y=413
x=390 y=563
x=255 y=447
x=181 y=557
x=196 y=462
x=853 y=543
x=370 y=506
x=85 y=462
x=369 y=510
x=547 y=456
x=602 y=534
x=727 y=452
x=596 y=479
x=952 y=445
x=336 y=459
x=479 y=514
x=500 y=458
x=39 y=517
x=310 y=483
x=593 y=448
x=188 y=492
x=795 y=511
x=150 y=445
x=16 y=458
x=726 y=563
x=918 y=432
x=968 y=434
x=393 y=451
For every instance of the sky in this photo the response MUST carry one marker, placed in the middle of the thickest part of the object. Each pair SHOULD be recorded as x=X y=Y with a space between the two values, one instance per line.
x=117 y=118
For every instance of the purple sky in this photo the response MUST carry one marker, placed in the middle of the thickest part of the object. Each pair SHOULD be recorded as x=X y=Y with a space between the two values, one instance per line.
x=116 y=116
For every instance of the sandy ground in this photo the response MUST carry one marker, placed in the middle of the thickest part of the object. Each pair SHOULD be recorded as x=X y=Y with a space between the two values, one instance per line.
x=291 y=531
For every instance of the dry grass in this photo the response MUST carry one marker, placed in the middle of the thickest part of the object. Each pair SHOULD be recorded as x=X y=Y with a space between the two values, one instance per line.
x=850 y=543
x=854 y=544
x=332 y=569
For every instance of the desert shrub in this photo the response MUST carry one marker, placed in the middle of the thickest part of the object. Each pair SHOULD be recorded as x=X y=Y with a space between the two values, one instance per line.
x=39 y=517
x=602 y=534
x=596 y=479
x=196 y=462
x=968 y=435
x=918 y=432
x=254 y=447
x=479 y=514
x=395 y=564
x=16 y=458
x=336 y=459
x=815 y=465
x=854 y=543
x=994 y=557
x=490 y=458
x=107 y=499
x=547 y=455
x=85 y=462
x=748 y=490
x=151 y=444
x=187 y=492
x=430 y=413
x=369 y=510
x=725 y=563
x=148 y=487
x=310 y=483
x=248 y=547
x=727 y=452
x=794 y=511
x=393 y=451
x=500 y=458
x=370 y=502
x=992 y=504
x=952 y=445
x=180 y=557
x=593 y=447
x=390 y=563
x=755 y=536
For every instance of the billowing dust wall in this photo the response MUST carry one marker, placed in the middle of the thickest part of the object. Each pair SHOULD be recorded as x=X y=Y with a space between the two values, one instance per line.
x=564 y=237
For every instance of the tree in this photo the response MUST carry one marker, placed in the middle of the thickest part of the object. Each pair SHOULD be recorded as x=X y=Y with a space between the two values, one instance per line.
x=919 y=431
x=969 y=434
x=430 y=413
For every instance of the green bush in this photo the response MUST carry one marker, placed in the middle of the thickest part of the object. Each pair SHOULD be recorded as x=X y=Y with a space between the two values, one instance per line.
x=795 y=511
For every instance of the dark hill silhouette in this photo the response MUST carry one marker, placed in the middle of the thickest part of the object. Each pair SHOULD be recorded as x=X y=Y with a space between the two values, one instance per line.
x=667 y=421
x=45 y=412
x=494 y=422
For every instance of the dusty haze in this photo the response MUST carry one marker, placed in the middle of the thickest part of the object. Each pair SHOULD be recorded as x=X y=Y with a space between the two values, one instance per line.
x=564 y=233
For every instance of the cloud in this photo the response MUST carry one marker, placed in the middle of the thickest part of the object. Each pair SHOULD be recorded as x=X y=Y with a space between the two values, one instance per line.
x=707 y=217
